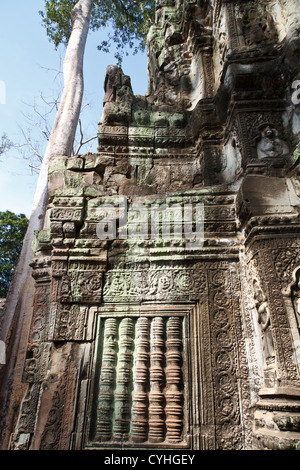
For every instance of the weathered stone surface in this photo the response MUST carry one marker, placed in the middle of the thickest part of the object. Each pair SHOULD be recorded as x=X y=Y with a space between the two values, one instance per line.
x=2 y=303
x=166 y=307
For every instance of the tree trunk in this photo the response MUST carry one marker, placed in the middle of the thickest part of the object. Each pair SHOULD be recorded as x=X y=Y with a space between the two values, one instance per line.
x=16 y=316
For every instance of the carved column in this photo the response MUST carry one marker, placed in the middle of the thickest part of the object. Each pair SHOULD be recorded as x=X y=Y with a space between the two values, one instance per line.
x=174 y=395
x=139 y=429
x=156 y=397
x=107 y=381
x=123 y=380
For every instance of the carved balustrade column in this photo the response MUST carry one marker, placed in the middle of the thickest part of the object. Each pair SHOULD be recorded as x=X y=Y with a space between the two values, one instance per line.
x=107 y=382
x=156 y=397
x=174 y=397
x=139 y=430
x=121 y=422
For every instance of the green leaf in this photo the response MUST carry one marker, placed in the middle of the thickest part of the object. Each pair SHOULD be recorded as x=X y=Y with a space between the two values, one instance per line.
x=129 y=20
x=12 y=231
x=5 y=144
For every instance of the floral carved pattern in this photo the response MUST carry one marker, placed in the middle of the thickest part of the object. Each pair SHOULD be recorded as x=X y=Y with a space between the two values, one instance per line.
x=222 y=325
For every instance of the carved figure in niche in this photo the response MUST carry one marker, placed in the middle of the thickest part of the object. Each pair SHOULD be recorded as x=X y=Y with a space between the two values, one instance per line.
x=257 y=25
x=263 y=318
x=270 y=145
x=296 y=298
x=292 y=113
x=293 y=291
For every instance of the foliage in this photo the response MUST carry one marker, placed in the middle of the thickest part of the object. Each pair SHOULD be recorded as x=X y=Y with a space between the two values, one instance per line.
x=5 y=144
x=12 y=231
x=36 y=130
x=129 y=21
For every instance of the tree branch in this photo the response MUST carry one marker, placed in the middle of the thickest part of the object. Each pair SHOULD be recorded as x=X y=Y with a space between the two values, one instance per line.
x=81 y=141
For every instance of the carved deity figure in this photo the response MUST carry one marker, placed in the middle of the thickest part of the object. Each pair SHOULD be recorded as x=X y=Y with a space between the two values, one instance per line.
x=292 y=292
x=270 y=145
x=258 y=25
x=263 y=318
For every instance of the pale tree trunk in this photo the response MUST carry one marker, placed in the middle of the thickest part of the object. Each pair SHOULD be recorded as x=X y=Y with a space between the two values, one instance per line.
x=16 y=317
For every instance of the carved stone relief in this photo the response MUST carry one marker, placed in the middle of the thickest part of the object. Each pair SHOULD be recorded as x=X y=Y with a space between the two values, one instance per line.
x=257 y=25
x=296 y=296
x=264 y=320
x=293 y=292
x=269 y=145
x=195 y=347
x=139 y=389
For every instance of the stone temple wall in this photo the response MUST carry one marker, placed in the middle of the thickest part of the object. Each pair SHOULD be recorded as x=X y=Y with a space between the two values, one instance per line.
x=167 y=276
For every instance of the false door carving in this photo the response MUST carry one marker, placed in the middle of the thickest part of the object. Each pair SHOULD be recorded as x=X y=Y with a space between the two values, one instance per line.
x=140 y=391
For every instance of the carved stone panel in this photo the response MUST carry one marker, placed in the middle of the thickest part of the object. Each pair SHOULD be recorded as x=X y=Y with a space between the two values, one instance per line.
x=140 y=395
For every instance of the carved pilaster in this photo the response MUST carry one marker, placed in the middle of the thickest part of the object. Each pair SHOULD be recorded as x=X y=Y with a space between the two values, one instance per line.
x=226 y=392
x=122 y=393
x=107 y=382
x=156 y=398
x=174 y=396
x=287 y=369
x=139 y=431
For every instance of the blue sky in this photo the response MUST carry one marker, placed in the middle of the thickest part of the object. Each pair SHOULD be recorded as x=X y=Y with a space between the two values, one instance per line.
x=28 y=69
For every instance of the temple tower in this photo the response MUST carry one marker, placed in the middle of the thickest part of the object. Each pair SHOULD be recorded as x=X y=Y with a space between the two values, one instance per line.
x=166 y=312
